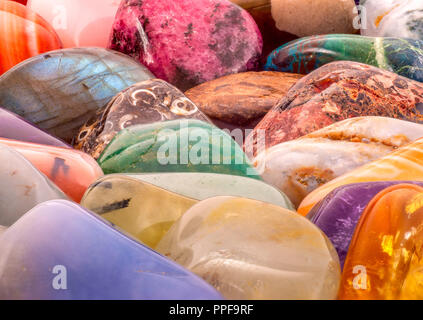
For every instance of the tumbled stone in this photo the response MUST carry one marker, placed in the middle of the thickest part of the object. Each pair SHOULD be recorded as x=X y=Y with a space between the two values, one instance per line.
x=175 y=146
x=306 y=18
x=22 y=186
x=71 y=170
x=387 y=248
x=241 y=100
x=334 y=92
x=405 y=164
x=145 y=102
x=201 y=186
x=15 y=127
x=248 y=249
x=23 y=34
x=393 y=18
x=300 y=166
x=143 y=210
x=338 y=213
x=59 y=245
x=60 y=90
x=187 y=42
x=402 y=56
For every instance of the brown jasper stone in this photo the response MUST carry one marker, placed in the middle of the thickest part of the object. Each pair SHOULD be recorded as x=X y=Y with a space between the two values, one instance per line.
x=335 y=92
x=145 y=102
x=241 y=100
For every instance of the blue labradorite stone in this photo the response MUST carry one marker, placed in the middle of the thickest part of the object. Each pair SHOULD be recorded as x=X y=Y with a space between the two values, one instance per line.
x=60 y=90
x=59 y=250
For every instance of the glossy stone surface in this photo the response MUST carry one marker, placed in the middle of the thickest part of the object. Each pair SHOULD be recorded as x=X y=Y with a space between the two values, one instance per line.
x=339 y=212
x=71 y=170
x=143 y=210
x=175 y=146
x=187 y=42
x=61 y=90
x=22 y=186
x=393 y=18
x=402 y=56
x=404 y=164
x=248 y=249
x=23 y=34
x=300 y=166
x=79 y=23
x=201 y=186
x=145 y=102
x=15 y=127
x=387 y=245
x=100 y=262
x=317 y=17
x=241 y=100
x=334 y=92
x=2 y=229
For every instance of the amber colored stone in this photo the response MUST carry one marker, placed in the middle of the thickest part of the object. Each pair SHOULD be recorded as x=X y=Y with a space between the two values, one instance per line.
x=241 y=100
x=71 y=170
x=384 y=260
x=23 y=34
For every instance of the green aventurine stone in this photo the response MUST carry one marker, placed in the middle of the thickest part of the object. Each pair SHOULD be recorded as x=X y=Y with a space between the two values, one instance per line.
x=201 y=186
x=175 y=146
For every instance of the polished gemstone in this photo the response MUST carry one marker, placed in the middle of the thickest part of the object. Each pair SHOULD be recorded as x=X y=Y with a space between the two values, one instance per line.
x=61 y=90
x=22 y=186
x=145 y=102
x=387 y=248
x=60 y=251
x=300 y=166
x=241 y=100
x=334 y=92
x=338 y=213
x=23 y=34
x=143 y=210
x=71 y=170
x=402 y=56
x=404 y=164
x=175 y=146
x=187 y=42
x=249 y=249
x=201 y=186
x=15 y=127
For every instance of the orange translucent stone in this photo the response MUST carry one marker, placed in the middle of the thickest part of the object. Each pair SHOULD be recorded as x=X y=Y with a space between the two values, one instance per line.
x=23 y=34
x=71 y=170
x=404 y=164
x=384 y=260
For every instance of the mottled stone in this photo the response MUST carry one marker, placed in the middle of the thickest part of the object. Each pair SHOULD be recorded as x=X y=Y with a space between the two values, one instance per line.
x=59 y=243
x=23 y=34
x=175 y=146
x=405 y=164
x=402 y=56
x=15 y=127
x=241 y=100
x=306 y=18
x=334 y=92
x=387 y=246
x=393 y=18
x=60 y=90
x=248 y=249
x=300 y=166
x=201 y=186
x=22 y=186
x=71 y=170
x=145 y=102
x=143 y=210
x=187 y=42
x=338 y=213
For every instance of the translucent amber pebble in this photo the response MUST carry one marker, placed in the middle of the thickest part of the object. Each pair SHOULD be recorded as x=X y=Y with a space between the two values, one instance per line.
x=385 y=256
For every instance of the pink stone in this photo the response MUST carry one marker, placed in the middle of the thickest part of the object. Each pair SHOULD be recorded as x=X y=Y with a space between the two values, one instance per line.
x=187 y=42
